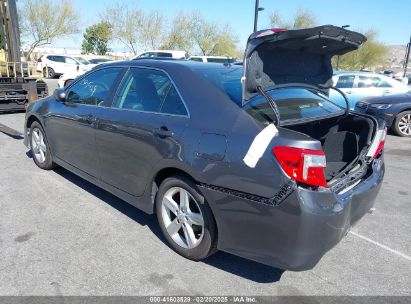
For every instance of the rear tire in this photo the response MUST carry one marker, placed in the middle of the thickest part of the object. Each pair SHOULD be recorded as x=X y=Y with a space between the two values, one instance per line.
x=402 y=124
x=185 y=218
x=40 y=148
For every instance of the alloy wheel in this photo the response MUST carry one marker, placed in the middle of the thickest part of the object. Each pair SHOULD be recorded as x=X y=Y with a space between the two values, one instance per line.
x=182 y=217
x=404 y=125
x=38 y=145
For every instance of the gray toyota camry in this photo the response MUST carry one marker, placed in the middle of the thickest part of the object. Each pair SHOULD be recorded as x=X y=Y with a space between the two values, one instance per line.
x=254 y=160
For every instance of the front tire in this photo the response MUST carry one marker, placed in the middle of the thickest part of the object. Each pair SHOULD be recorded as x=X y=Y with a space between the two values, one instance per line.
x=185 y=218
x=402 y=124
x=40 y=148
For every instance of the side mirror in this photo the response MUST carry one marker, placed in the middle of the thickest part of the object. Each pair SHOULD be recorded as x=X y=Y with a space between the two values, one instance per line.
x=59 y=95
x=78 y=67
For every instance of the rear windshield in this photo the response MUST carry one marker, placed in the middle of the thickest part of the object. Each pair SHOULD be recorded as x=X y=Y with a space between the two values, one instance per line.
x=293 y=104
x=226 y=78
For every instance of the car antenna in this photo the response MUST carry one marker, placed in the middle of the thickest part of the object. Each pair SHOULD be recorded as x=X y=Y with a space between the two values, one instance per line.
x=272 y=104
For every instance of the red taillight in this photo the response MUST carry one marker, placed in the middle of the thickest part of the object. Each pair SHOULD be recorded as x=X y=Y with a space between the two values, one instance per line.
x=303 y=165
x=381 y=143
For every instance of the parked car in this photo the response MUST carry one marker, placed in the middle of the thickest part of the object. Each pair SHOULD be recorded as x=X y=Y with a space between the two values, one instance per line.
x=241 y=160
x=67 y=78
x=98 y=60
x=54 y=65
x=359 y=85
x=214 y=59
x=400 y=77
x=163 y=54
x=394 y=109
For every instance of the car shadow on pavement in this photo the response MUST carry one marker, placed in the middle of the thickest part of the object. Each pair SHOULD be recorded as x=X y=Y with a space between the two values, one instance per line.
x=227 y=262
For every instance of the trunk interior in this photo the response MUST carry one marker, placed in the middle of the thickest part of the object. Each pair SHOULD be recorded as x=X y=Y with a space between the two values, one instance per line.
x=343 y=138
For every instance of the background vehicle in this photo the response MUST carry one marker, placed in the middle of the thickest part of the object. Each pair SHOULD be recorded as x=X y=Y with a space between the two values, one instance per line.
x=214 y=59
x=18 y=84
x=163 y=54
x=60 y=64
x=98 y=60
x=359 y=85
x=260 y=182
x=394 y=109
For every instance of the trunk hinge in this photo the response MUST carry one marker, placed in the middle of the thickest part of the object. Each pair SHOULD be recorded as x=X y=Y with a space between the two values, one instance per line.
x=272 y=104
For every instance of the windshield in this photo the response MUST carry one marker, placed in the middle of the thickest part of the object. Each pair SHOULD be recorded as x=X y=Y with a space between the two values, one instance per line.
x=293 y=104
x=82 y=60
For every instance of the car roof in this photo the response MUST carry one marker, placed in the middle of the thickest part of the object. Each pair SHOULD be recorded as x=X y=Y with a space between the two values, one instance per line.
x=166 y=64
x=338 y=73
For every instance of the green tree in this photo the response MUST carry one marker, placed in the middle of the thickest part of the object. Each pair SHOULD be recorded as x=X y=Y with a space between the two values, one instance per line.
x=179 y=35
x=212 y=38
x=42 y=21
x=368 y=55
x=302 y=19
x=96 y=38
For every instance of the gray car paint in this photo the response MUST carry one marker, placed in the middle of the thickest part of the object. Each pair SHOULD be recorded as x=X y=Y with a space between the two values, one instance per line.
x=287 y=236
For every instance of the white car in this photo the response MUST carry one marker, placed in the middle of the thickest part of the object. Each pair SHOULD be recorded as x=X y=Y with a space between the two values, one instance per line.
x=359 y=85
x=163 y=54
x=215 y=59
x=67 y=78
x=53 y=65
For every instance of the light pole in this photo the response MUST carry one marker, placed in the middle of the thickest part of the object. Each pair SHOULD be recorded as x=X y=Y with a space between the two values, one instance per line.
x=407 y=57
x=338 y=57
x=256 y=10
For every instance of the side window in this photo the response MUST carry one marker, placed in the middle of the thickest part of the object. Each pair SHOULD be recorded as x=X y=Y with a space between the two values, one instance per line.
x=345 y=82
x=196 y=59
x=58 y=58
x=70 y=60
x=372 y=82
x=164 y=55
x=149 y=90
x=94 y=89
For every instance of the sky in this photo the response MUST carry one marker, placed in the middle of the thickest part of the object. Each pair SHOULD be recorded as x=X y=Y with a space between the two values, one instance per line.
x=392 y=19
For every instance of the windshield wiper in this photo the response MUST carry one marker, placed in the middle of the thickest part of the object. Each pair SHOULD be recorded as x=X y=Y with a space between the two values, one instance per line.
x=273 y=105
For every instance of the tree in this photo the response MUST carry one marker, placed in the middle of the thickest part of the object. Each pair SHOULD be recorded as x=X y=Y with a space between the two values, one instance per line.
x=96 y=38
x=212 y=38
x=302 y=19
x=152 y=29
x=179 y=35
x=42 y=21
x=368 y=55
x=126 y=22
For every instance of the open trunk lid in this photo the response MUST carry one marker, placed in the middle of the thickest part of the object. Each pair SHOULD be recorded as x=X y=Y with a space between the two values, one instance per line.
x=280 y=56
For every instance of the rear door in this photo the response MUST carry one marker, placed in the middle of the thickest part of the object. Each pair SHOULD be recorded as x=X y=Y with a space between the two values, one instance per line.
x=57 y=63
x=72 y=124
x=143 y=127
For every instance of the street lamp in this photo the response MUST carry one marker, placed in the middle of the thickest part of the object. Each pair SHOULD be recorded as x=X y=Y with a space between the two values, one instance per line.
x=338 y=57
x=256 y=10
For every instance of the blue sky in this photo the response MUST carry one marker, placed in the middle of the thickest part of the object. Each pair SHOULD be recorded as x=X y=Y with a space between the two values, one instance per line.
x=390 y=18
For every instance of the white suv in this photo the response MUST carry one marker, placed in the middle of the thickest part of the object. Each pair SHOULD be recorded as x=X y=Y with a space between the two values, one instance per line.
x=214 y=59
x=163 y=54
x=53 y=65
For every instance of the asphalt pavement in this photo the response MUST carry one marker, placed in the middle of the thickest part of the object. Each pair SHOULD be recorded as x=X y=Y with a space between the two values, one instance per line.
x=60 y=235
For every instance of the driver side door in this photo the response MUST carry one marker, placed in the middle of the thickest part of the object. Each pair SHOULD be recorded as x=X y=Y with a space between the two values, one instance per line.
x=72 y=123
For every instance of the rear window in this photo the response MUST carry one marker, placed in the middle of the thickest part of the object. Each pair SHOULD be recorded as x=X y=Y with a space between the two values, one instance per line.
x=227 y=79
x=293 y=104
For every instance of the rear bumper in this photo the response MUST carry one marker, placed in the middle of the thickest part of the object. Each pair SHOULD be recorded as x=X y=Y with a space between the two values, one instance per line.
x=298 y=232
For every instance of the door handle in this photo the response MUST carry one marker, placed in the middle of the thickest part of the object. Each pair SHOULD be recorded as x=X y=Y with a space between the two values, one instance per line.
x=348 y=92
x=386 y=91
x=163 y=132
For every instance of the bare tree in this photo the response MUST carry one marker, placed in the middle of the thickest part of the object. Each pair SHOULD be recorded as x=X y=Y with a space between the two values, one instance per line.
x=302 y=19
x=151 y=33
x=42 y=21
x=126 y=23
x=179 y=35
x=213 y=38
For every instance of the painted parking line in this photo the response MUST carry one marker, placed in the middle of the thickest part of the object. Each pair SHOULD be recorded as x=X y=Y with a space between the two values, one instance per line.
x=382 y=246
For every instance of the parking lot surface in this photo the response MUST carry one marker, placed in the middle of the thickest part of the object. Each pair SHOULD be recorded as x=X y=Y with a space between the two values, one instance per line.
x=60 y=235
